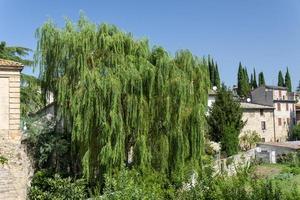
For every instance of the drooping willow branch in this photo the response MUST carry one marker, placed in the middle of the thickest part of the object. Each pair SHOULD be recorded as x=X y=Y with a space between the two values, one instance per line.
x=120 y=95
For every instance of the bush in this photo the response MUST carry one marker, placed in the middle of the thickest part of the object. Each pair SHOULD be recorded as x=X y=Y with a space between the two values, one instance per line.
x=49 y=149
x=295 y=134
x=133 y=184
x=44 y=187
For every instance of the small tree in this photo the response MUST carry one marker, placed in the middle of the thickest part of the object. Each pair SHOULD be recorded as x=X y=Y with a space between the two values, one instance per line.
x=225 y=121
x=249 y=139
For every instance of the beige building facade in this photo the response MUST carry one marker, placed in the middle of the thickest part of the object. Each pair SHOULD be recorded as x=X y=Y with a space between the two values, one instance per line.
x=259 y=118
x=285 y=110
x=10 y=99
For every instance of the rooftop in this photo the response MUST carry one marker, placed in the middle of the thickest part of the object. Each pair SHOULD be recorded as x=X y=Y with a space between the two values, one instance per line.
x=291 y=144
x=275 y=87
x=254 y=106
x=9 y=64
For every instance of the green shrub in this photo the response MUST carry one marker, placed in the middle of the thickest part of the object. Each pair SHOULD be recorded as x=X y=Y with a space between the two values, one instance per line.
x=295 y=133
x=133 y=184
x=44 y=187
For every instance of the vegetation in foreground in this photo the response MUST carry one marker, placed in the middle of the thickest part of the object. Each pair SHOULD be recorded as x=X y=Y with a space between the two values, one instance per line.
x=134 y=121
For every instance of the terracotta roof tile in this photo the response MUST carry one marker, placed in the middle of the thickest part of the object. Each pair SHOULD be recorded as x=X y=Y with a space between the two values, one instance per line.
x=10 y=63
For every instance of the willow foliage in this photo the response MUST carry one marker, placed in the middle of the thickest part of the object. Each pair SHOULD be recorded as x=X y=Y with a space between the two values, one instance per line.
x=123 y=99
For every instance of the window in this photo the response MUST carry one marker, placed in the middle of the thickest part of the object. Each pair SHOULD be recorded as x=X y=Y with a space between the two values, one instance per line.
x=261 y=112
x=287 y=106
x=263 y=139
x=280 y=93
x=263 y=125
x=279 y=122
x=283 y=97
x=288 y=121
x=278 y=106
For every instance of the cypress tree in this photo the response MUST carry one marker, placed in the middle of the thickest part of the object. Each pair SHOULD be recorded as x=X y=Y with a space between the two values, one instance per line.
x=247 y=86
x=217 y=76
x=280 y=79
x=288 y=82
x=211 y=71
x=243 y=82
x=240 y=80
x=116 y=95
x=261 y=79
x=252 y=82
x=254 y=79
x=225 y=121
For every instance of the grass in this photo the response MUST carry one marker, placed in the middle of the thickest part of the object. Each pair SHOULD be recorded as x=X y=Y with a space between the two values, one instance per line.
x=286 y=176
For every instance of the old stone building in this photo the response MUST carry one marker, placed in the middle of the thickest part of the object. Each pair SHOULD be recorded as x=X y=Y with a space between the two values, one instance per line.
x=15 y=174
x=10 y=99
x=259 y=118
x=271 y=112
x=284 y=108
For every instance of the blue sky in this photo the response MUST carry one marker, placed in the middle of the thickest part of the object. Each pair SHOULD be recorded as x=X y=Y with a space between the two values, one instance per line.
x=264 y=34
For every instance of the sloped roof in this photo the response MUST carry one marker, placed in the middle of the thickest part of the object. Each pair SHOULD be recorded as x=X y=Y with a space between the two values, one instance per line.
x=10 y=64
x=245 y=105
x=276 y=87
x=291 y=144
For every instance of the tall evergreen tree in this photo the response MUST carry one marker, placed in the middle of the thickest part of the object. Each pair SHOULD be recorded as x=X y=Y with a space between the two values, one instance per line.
x=261 y=79
x=288 y=82
x=211 y=69
x=217 y=76
x=240 y=80
x=244 y=87
x=247 y=83
x=225 y=121
x=280 y=79
x=254 y=84
x=119 y=96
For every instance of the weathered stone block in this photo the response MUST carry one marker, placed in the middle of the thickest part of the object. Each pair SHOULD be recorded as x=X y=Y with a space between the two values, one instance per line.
x=14 y=94
x=14 y=116
x=14 y=111
x=14 y=100
x=14 y=89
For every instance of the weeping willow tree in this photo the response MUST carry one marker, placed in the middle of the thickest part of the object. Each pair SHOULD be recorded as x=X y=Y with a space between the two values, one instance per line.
x=122 y=99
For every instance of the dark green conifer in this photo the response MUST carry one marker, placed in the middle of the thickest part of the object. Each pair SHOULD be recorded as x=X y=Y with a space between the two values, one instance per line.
x=254 y=84
x=280 y=79
x=261 y=79
x=225 y=121
x=288 y=82
x=217 y=76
